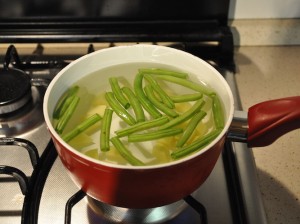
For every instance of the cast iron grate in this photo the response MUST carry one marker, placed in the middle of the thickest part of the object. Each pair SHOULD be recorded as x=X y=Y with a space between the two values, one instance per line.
x=190 y=200
x=14 y=172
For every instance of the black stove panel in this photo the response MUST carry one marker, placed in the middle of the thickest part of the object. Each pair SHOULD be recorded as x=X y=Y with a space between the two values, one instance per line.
x=64 y=10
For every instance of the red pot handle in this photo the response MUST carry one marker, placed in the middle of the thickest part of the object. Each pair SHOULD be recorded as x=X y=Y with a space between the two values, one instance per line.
x=271 y=119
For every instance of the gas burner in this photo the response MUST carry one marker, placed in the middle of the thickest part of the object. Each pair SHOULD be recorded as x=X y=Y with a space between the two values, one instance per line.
x=15 y=85
x=113 y=214
x=15 y=90
x=25 y=119
x=21 y=97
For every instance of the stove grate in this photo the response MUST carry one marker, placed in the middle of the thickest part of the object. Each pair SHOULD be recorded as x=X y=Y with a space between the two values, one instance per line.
x=17 y=175
x=78 y=196
x=23 y=143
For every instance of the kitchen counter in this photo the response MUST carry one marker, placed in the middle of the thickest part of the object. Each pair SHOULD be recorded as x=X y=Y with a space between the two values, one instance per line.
x=265 y=73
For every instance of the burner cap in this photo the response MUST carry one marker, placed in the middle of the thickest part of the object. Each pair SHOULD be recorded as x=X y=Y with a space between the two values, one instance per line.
x=15 y=90
x=115 y=214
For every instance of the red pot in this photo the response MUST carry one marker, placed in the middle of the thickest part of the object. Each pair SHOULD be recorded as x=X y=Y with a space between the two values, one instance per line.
x=157 y=185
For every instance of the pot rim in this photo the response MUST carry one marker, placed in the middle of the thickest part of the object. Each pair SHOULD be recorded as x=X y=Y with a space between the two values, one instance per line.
x=118 y=166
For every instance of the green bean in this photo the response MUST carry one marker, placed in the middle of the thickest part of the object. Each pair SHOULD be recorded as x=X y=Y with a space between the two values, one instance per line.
x=190 y=128
x=185 y=116
x=65 y=106
x=162 y=107
x=64 y=102
x=196 y=145
x=116 y=89
x=186 y=97
x=82 y=127
x=217 y=112
x=154 y=135
x=125 y=153
x=147 y=97
x=187 y=83
x=63 y=120
x=142 y=126
x=146 y=103
x=162 y=94
x=118 y=109
x=159 y=71
x=135 y=103
x=157 y=97
x=105 y=130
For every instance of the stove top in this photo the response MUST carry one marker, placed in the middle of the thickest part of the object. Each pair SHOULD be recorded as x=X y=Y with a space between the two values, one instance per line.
x=37 y=189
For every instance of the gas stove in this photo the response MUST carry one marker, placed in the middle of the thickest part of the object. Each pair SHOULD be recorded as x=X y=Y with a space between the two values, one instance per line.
x=35 y=187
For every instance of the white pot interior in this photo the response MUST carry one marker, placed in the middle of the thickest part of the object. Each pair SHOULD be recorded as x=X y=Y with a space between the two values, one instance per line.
x=125 y=61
